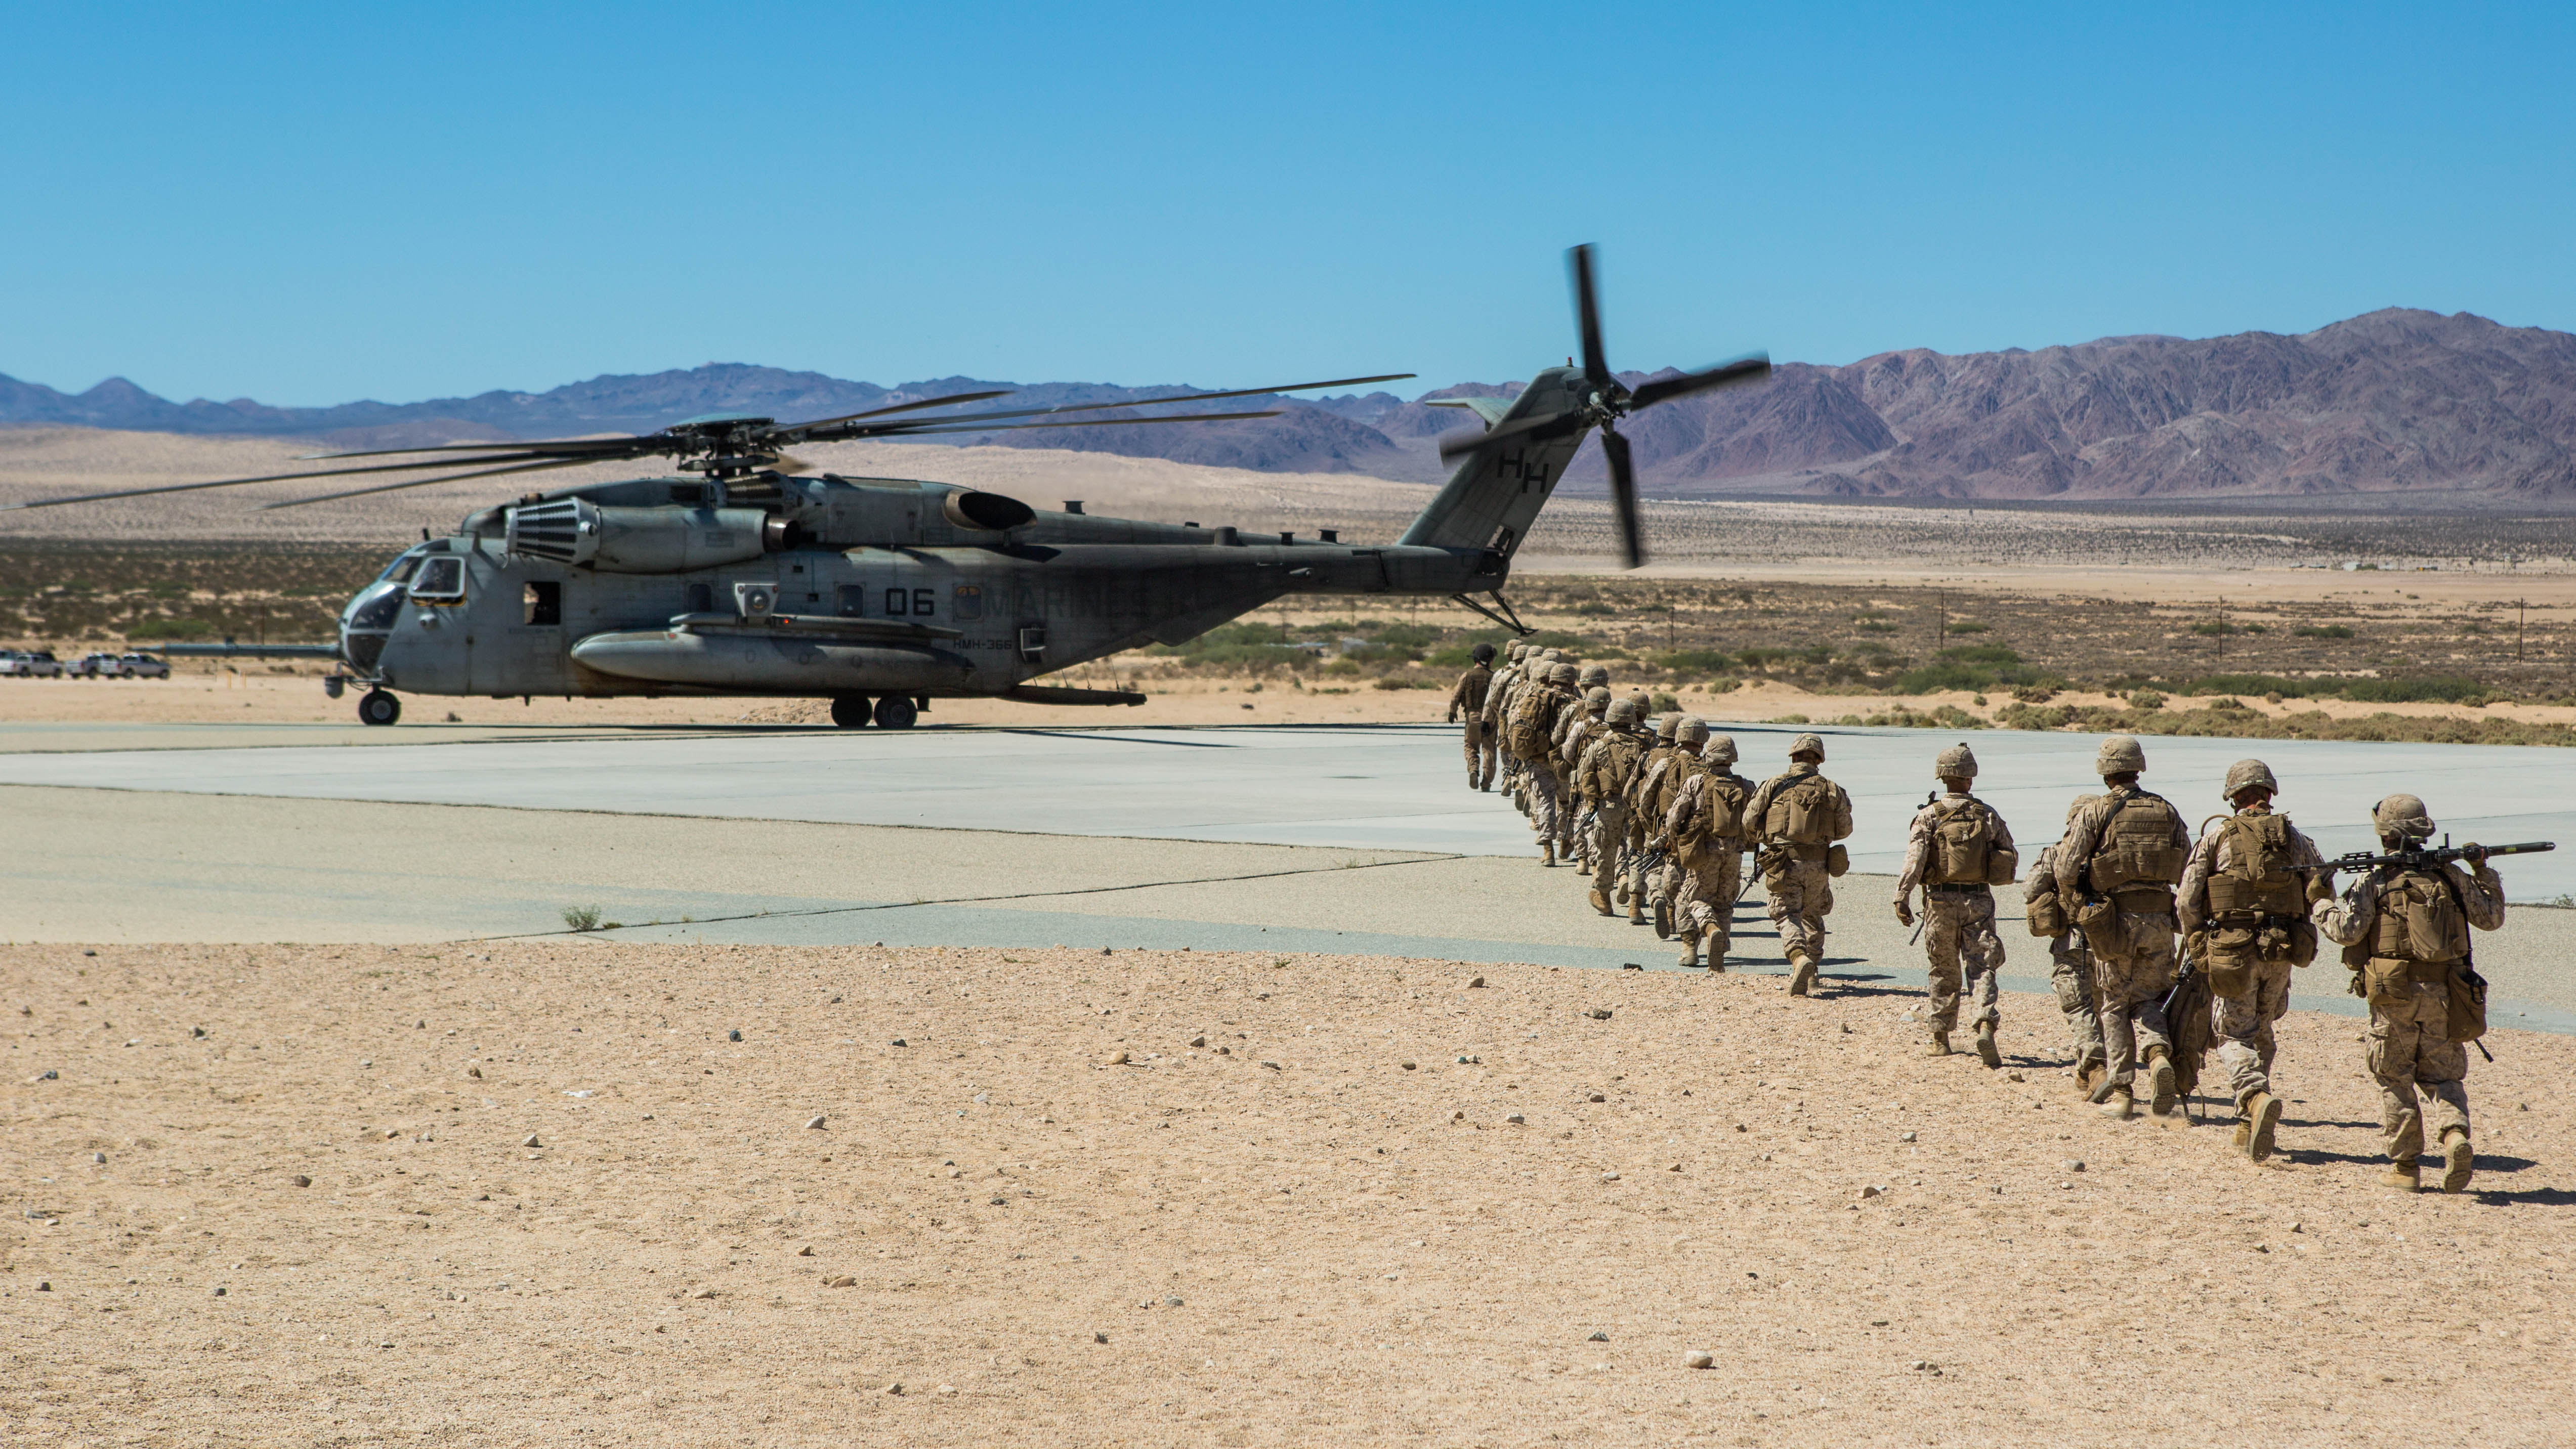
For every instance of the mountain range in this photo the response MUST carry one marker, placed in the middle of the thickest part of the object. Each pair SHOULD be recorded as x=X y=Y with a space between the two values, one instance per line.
x=2394 y=401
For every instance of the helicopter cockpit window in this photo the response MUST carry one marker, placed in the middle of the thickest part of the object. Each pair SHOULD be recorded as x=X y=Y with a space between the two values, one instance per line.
x=401 y=569
x=440 y=579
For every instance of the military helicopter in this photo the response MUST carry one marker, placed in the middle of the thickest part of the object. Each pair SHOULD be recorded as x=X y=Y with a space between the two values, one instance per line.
x=882 y=594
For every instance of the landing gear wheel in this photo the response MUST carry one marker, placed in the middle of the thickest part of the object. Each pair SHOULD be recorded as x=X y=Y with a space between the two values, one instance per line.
x=895 y=712
x=376 y=707
x=850 y=711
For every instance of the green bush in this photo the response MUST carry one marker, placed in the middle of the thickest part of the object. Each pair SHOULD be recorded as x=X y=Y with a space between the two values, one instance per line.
x=2322 y=631
x=1691 y=661
x=2429 y=689
x=2213 y=627
x=2254 y=684
x=1980 y=654
x=1968 y=626
x=1662 y=703
x=2146 y=699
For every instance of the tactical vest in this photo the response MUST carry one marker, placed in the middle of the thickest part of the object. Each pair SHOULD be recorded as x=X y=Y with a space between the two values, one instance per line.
x=2257 y=904
x=1801 y=813
x=2135 y=848
x=2044 y=910
x=2420 y=920
x=1964 y=845
x=1613 y=765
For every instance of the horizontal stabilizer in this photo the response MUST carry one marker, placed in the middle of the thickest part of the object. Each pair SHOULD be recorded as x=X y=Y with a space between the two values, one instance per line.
x=1491 y=409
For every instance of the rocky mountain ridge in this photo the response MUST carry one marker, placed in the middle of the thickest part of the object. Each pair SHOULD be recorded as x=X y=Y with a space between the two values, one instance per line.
x=2397 y=401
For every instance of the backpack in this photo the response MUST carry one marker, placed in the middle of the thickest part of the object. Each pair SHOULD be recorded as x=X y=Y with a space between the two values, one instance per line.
x=1802 y=813
x=1611 y=765
x=1527 y=730
x=1964 y=845
x=2135 y=848
x=1720 y=815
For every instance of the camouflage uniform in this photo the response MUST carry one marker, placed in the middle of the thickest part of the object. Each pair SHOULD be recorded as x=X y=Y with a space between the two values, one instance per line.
x=2247 y=935
x=1644 y=858
x=2137 y=843
x=1710 y=861
x=1574 y=730
x=2404 y=931
x=1611 y=757
x=1952 y=848
x=1797 y=875
x=1507 y=685
x=2070 y=968
x=1468 y=698
x=1549 y=815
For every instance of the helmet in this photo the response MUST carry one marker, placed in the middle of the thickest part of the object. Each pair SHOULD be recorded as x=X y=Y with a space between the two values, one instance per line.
x=1596 y=699
x=2247 y=775
x=1482 y=653
x=1807 y=745
x=1623 y=712
x=1514 y=650
x=1692 y=733
x=1550 y=655
x=2078 y=803
x=1665 y=726
x=2120 y=755
x=1562 y=675
x=1956 y=763
x=1720 y=749
x=2402 y=816
x=1595 y=674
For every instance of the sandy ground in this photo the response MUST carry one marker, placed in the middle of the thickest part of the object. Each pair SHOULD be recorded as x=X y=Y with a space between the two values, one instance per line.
x=1322 y=1226
x=257 y=694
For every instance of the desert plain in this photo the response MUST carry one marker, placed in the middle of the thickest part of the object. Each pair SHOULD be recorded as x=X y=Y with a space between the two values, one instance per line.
x=537 y=1189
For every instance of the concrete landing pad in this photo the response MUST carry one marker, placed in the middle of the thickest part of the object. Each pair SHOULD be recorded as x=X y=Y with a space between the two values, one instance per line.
x=1379 y=787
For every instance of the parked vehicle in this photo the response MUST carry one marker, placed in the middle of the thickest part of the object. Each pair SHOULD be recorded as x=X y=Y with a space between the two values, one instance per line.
x=96 y=666
x=31 y=664
x=142 y=666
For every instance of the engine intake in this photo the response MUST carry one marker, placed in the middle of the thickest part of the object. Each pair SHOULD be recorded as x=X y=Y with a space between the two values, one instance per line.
x=579 y=533
x=986 y=510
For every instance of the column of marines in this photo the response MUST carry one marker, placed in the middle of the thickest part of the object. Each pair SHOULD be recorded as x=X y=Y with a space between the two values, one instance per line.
x=2163 y=947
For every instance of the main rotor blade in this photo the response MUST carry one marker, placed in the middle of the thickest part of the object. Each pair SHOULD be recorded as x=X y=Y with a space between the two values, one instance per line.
x=629 y=446
x=910 y=407
x=425 y=482
x=1587 y=317
x=1623 y=497
x=1750 y=369
x=511 y=457
x=911 y=424
x=1092 y=423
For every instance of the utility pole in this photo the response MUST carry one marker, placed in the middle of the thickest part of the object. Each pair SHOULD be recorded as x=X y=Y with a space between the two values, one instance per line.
x=2517 y=631
x=1940 y=621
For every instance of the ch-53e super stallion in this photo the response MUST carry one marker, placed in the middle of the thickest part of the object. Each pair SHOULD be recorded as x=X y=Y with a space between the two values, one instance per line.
x=736 y=578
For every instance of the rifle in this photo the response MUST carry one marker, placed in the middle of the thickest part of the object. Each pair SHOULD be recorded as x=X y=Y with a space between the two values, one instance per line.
x=2423 y=857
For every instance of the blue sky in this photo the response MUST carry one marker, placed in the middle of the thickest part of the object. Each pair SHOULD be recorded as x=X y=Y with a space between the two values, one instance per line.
x=310 y=205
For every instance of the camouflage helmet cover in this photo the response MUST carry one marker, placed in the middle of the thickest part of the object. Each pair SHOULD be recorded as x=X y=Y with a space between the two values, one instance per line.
x=1691 y=733
x=1561 y=674
x=1595 y=674
x=2402 y=816
x=1807 y=745
x=1719 y=750
x=1514 y=650
x=1623 y=712
x=1596 y=699
x=1665 y=725
x=1956 y=763
x=2078 y=803
x=2120 y=755
x=2247 y=775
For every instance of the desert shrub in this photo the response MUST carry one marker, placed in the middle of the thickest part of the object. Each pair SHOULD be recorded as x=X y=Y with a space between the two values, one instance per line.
x=1691 y=661
x=2034 y=694
x=2254 y=684
x=2146 y=699
x=1980 y=654
x=1662 y=703
x=1968 y=626
x=2322 y=631
x=2213 y=627
x=2427 y=689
